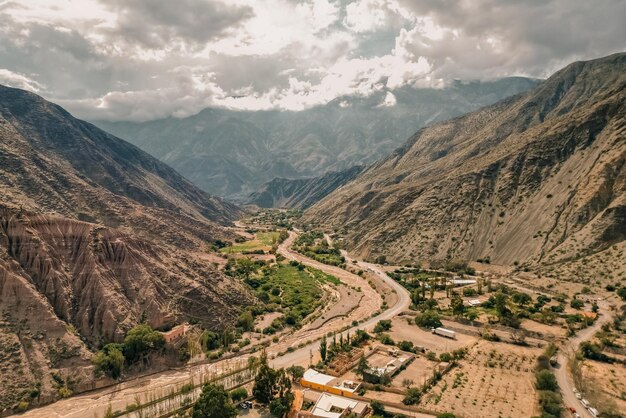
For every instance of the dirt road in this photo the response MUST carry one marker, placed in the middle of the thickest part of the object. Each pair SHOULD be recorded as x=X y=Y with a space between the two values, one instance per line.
x=95 y=404
x=569 y=349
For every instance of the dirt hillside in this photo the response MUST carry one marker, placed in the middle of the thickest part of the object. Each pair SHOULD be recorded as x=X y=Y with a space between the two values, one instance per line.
x=539 y=177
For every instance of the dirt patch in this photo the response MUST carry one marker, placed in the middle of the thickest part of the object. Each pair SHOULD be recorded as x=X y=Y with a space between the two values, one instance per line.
x=418 y=372
x=494 y=380
x=401 y=331
x=266 y=320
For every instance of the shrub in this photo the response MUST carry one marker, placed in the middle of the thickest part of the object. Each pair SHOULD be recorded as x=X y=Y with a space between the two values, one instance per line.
x=412 y=397
x=238 y=394
x=382 y=325
x=546 y=381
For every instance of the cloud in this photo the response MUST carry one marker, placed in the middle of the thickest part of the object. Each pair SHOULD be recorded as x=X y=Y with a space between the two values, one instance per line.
x=141 y=60
x=390 y=100
x=190 y=22
x=20 y=81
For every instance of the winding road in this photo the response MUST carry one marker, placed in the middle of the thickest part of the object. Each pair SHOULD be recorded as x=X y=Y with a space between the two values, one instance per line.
x=96 y=403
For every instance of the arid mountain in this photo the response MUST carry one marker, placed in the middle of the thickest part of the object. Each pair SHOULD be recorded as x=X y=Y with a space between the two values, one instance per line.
x=95 y=236
x=301 y=193
x=234 y=153
x=537 y=177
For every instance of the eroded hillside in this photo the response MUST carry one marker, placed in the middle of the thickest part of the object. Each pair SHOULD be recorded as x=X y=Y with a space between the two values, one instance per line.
x=96 y=236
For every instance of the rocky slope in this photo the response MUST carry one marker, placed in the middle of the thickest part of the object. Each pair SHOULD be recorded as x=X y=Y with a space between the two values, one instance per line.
x=234 y=153
x=301 y=193
x=95 y=236
x=539 y=177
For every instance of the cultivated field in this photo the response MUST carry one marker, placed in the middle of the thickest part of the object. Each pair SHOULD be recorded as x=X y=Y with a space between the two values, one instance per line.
x=417 y=372
x=263 y=241
x=494 y=380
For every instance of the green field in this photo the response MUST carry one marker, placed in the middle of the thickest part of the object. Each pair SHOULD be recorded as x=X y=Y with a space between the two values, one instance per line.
x=294 y=290
x=263 y=241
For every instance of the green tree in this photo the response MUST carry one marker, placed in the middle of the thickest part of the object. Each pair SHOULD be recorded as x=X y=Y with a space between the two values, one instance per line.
x=264 y=382
x=412 y=396
x=110 y=360
x=362 y=366
x=446 y=415
x=382 y=326
x=238 y=394
x=140 y=340
x=281 y=404
x=500 y=303
x=246 y=321
x=621 y=292
x=245 y=266
x=377 y=408
x=576 y=303
x=521 y=298
x=323 y=348
x=296 y=372
x=546 y=381
x=457 y=305
x=214 y=402
x=428 y=319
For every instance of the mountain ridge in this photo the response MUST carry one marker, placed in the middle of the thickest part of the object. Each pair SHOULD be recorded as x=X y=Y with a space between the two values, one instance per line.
x=234 y=153
x=483 y=185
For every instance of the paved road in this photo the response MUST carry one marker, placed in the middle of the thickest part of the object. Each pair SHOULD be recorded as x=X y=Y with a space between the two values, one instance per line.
x=568 y=350
x=118 y=397
x=301 y=356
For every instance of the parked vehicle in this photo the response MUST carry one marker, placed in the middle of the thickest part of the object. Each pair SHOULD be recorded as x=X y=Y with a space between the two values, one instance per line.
x=593 y=412
x=444 y=332
x=585 y=403
x=246 y=405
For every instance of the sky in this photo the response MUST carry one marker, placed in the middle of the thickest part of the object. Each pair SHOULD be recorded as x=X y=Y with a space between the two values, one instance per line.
x=141 y=60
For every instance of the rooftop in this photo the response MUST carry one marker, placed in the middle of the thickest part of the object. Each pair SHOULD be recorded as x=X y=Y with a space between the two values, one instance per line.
x=314 y=376
x=328 y=405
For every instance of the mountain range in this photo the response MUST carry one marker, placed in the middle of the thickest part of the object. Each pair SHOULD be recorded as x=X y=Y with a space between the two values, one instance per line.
x=96 y=236
x=538 y=177
x=234 y=153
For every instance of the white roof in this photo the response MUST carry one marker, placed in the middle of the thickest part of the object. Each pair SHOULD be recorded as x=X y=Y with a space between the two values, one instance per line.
x=462 y=281
x=327 y=401
x=314 y=376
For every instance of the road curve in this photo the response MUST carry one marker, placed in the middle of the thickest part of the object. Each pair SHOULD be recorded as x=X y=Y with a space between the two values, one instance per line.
x=302 y=355
x=95 y=403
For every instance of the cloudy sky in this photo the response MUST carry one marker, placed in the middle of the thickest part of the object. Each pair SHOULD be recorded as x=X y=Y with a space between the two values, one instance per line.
x=147 y=59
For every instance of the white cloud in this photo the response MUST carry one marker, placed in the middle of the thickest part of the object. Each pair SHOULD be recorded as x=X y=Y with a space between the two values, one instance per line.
x=390 y=100
x=138 y=60
x=20 y=81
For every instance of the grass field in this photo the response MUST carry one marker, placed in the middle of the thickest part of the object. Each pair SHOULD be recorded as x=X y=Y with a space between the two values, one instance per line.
x=262 y=241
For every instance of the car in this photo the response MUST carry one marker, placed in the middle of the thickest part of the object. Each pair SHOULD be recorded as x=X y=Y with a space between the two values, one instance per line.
x=575 y=390
x=572 y=410
x=577 y=415
x=246 y=405
x=579 y=396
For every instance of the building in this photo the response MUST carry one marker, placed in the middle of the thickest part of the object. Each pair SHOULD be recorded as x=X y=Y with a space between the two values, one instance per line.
x=333 y=406
x=461 y=282
x=176 y=333
x=324 y=383
x=590 y=315
x=379 y=374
